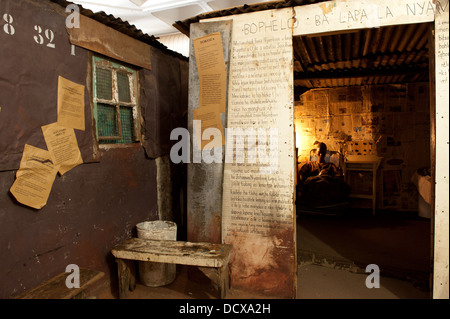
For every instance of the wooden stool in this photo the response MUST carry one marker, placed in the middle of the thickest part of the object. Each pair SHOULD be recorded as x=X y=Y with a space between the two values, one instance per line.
x=211 y=259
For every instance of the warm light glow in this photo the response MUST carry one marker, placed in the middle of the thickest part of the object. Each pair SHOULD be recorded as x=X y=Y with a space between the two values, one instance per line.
x=304 y=140
x=297 y=140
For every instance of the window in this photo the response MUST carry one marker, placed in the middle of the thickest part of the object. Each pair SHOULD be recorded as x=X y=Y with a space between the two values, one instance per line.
x=115 y=106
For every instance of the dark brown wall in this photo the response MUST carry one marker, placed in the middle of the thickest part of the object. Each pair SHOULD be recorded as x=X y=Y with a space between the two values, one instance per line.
x=161 y=109
x=95 y=205
x=29 y=77
x=90 y=209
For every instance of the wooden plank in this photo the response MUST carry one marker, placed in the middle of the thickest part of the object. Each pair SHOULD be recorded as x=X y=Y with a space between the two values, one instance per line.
x=258 y=213
x=55 y=288
x=441 y=173
x=97 y=37
x=333 y=16
x=432 y=88
x=175 y=252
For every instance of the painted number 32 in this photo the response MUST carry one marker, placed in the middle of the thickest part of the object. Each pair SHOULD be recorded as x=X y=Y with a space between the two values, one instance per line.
x=49 y=35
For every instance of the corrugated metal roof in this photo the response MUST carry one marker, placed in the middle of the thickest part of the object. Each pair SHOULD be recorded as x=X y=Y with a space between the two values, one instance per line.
x=178 y=42
x=393 y=54
x=122 y=26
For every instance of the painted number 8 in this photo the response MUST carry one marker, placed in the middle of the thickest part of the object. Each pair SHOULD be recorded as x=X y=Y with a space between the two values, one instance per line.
x=8 y=27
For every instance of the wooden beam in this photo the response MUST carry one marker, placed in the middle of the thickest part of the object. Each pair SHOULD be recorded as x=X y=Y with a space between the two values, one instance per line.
x=97 y=37
x=431 y=44
x=344 y=16
x=441 y=174
x=360 y=73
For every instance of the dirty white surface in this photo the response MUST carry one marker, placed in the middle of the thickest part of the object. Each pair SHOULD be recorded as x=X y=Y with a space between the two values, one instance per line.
x=317 y=282
x=314 y=282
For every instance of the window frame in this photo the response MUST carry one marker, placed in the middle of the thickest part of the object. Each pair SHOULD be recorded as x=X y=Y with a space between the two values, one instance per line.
x=100 y=62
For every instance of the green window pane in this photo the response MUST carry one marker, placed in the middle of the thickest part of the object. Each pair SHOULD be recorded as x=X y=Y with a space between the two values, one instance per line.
x=107 y=83
x=108 y=126
x=106 y=120
x=103 y=82
x=124 y=87
x=126 y=118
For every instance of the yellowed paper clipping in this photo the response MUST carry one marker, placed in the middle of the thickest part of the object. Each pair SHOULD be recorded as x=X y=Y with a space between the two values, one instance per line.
x=209 y=53
x=212 y=90
x=211 y=71
x=70 y=104
x=35 y=177
x=63 y=147
x=209 y=118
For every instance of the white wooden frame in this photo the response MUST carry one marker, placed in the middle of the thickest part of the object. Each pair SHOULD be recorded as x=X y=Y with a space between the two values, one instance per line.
x=333 y=16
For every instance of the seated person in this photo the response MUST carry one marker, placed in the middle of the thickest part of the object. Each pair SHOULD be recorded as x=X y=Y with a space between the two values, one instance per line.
x=321 y=183
x=322 y=152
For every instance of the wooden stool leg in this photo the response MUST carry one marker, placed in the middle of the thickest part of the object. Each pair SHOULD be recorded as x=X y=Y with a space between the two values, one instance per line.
x=215 y=275
x=132 y=269
x=224 y=282
x=127 y=277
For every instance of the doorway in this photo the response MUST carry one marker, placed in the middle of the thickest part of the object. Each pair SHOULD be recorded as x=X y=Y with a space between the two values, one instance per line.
x=365 y=94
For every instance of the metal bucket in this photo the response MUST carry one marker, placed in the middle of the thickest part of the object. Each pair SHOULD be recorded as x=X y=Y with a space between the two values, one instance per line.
x=153 y=274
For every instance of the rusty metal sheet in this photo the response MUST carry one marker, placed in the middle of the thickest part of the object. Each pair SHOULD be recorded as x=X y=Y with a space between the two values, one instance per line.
x=163 y=106
x=79 y=225
x=31 y=64
x=204 y=181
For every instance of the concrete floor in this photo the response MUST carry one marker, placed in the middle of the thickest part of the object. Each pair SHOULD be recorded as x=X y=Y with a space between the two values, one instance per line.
x=333 y=253
x=319 y=282
x=399 y=243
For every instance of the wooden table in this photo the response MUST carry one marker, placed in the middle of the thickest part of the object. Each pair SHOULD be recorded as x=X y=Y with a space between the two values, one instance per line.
x=363 y=163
